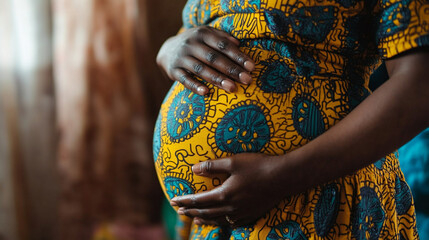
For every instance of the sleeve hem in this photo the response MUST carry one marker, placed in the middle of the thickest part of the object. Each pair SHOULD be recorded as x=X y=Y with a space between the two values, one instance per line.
x=391 y=49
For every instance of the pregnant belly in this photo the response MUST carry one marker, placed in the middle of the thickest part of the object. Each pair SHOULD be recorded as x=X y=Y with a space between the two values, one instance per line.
x=275 y=114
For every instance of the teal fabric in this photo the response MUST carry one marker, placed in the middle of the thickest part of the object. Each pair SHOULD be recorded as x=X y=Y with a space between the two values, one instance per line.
x=378 y=77
x=169 y=218
x=423 y=225
x=414 y=160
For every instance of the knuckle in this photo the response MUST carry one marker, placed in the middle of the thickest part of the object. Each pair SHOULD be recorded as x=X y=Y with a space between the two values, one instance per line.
x=230 y=165
x=198 y=67
x=216 y=79
x=193 y=200
x=223 y=44
x=201 y=31
x=187 y=42
x=239 y=58
x=207 y=166
x=211 y=57
x=182 y=78
x=223 y=195
x=192 y=85
x=233 y=70
x=186 y=60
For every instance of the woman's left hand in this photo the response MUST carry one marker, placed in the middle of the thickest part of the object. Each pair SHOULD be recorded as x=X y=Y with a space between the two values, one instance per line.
x=250 y=190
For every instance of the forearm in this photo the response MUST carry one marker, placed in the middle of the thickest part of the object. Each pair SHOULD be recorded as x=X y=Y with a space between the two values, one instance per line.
x=387 y=119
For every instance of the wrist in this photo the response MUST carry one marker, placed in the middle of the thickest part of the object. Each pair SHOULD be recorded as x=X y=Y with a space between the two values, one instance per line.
x=291 y=171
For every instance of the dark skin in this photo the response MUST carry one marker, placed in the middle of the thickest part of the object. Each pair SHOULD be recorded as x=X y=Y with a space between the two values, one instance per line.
x=387 y=119
x=208 y=53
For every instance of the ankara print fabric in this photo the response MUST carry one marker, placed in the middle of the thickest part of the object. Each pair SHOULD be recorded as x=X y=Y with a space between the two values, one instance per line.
x=313 y=62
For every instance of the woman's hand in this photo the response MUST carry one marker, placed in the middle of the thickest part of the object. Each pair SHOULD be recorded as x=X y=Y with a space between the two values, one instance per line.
x=257 y=182
x=208 y=53
x=246 y=195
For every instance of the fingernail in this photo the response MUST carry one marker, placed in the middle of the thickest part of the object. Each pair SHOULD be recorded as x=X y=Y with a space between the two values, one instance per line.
x=196 y=169
x=201 y=90
x=181 y=211
x=245 y=78
x=173 y=203
x=228 y=85
x=249 y=65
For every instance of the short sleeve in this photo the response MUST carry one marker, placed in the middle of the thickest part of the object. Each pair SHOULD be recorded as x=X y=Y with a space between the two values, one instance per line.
x=402 y=25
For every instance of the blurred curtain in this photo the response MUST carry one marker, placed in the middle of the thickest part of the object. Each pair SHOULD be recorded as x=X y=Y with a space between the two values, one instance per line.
x=105 y=133
x=79 y=94
x=104 y=67
x=28 y=189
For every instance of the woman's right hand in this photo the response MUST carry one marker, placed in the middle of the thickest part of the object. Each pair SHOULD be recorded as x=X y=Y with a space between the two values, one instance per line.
x=208 y=53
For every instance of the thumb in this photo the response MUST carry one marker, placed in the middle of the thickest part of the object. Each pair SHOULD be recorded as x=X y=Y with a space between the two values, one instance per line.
x=210 y=167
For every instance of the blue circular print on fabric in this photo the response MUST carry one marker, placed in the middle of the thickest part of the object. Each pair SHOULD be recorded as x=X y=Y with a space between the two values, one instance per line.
x=277 y=77
x=214 y=234
x=307 y=117
x=186 y=113
x=157 y=138
x=395 y=18
x=368 y=216
x=287 y=230
x=241 y=233
x=403 y=197
x=326 y=210
x=277 y=21
x=313 y=24
x=243 y=129
x=177 y=187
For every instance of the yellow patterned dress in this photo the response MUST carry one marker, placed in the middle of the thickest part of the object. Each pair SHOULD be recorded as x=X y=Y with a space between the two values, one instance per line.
x=313 y=61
